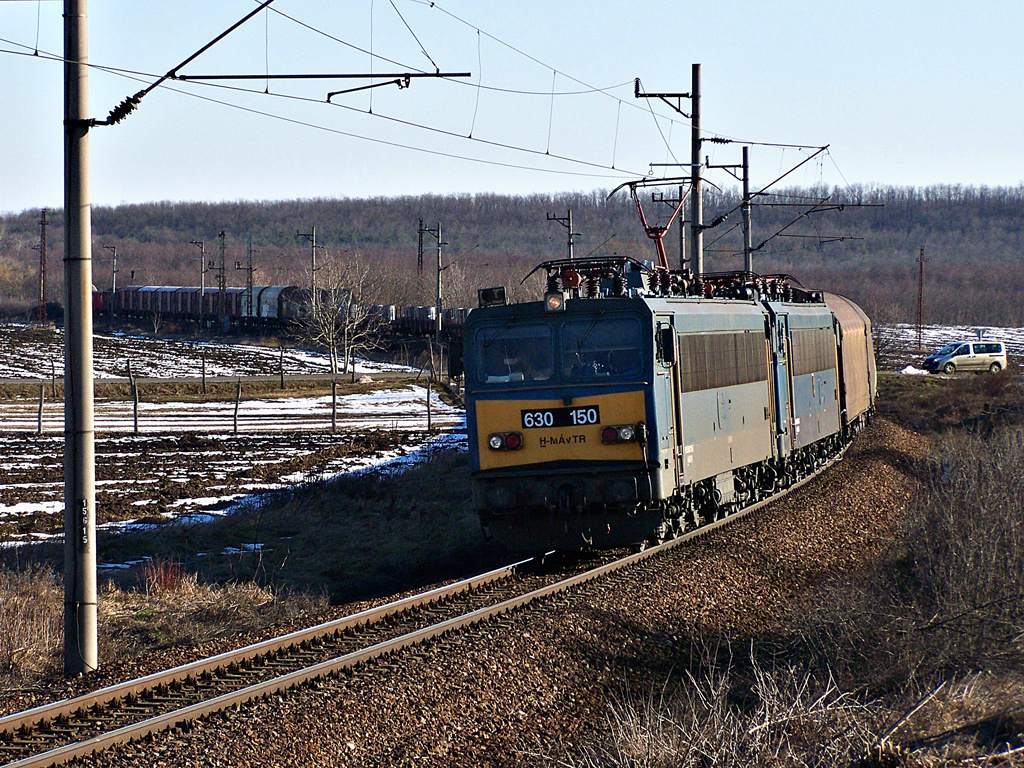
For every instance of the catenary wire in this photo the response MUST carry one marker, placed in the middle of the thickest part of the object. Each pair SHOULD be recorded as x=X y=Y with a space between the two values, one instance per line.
x=135 y=74
x=139 y=76
x=517 y=50
x=437 y=153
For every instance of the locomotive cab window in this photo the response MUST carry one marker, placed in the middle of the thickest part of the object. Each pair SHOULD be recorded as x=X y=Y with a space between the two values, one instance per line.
x=601 y=347
x=510 y=354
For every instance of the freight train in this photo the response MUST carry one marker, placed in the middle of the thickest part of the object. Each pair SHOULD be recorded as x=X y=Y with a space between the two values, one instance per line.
x=266 y=308
x=633 y=404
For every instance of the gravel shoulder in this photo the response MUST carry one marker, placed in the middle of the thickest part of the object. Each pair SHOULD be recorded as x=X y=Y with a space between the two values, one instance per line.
x=539 y=683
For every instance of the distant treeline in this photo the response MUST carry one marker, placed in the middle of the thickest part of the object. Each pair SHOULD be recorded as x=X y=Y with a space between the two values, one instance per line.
x=863 y=241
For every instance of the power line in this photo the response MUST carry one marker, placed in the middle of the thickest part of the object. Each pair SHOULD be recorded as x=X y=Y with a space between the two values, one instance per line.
x=129 y=104
x=437 y=153
x=614 y=173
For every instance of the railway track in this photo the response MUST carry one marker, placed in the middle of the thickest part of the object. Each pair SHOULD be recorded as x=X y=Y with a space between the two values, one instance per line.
x=57 y=733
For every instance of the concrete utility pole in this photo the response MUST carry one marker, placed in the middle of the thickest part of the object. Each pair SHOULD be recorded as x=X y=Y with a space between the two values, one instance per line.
x=201 y=245
x=311 y=237
x=113 y=267
x=437 y=304
x=222 y=282
x=419 y=250
x=696 y=192
x=80 y=643
x=41 y=310
x=682 y=237
x=748 y=253
x=566 y=221
x=920 y=300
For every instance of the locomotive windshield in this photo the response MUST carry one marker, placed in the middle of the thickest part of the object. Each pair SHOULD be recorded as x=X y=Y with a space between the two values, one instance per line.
x=515 y=353
x=567 y=349
x=600 y=347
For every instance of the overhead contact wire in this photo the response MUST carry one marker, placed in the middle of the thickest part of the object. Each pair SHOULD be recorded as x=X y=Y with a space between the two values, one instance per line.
x=142 y=76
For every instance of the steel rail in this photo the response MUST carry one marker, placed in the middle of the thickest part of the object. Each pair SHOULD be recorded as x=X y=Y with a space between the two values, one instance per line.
x=64 y=708
x=181 y=717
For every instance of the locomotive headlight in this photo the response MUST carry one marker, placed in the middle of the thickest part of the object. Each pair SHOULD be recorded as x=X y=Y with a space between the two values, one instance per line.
x=554 y=301
x=508 y=441
x=624 y=433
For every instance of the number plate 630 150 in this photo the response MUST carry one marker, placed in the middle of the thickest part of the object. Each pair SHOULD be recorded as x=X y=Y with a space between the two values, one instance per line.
x=561 y=417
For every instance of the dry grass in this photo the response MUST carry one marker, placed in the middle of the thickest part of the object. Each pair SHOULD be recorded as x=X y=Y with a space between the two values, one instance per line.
x=736 y=713
x=170 y=608
x=935 y=405
x=368 y=535
x=31 y=625
x=951 y=597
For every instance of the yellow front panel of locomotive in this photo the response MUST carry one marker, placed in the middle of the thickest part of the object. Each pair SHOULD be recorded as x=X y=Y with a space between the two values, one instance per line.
x=558 y=443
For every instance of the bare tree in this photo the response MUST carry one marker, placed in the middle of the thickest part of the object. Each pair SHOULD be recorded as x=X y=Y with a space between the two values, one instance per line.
x=343 y=320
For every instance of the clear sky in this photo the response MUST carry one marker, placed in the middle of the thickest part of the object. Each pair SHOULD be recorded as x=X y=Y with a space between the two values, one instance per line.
x=905 y=93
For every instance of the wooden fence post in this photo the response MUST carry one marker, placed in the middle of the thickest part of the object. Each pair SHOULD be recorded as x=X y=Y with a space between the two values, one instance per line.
x=135 y=397
x=430 y=427
x=238 y=398
x=334 y=405
x=42 y=394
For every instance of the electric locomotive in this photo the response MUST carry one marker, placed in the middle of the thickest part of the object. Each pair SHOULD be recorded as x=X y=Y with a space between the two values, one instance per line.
x=634 y=403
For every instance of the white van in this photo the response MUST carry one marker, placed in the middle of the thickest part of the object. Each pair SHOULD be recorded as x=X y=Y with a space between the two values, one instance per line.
x=968 y=356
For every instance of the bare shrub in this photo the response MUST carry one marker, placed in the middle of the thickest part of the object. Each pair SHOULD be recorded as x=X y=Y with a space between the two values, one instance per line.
x=965 y=543
x=31 y=624
x=951 y=598
x=163 y=577
x=737 y=713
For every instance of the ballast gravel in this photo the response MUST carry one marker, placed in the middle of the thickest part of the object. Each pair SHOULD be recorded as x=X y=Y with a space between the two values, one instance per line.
x=539 y=682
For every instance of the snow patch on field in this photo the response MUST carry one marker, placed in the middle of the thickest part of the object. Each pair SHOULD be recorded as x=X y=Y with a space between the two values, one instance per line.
x=206 y=509
x=40 y=354
x=933 y=337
